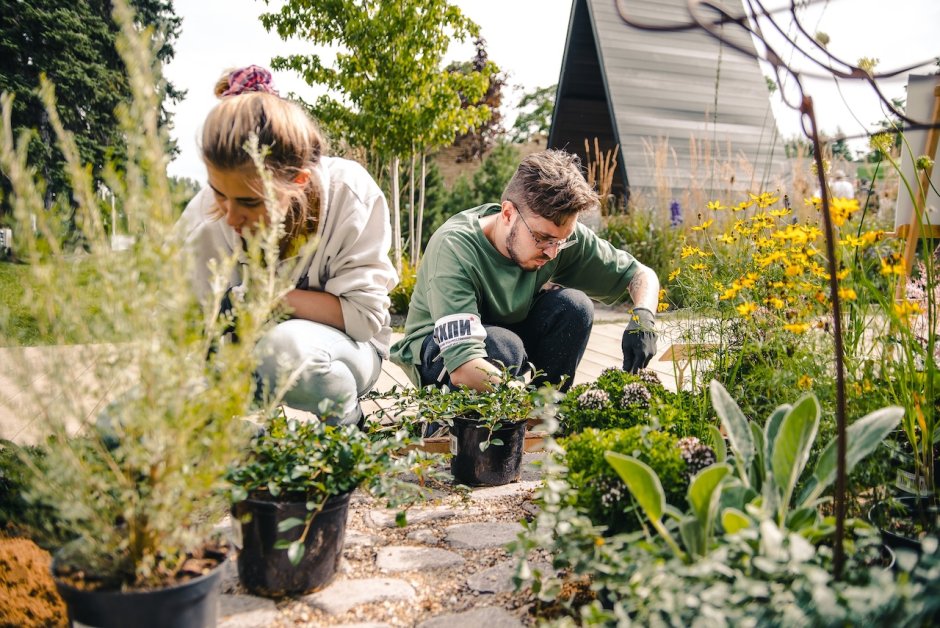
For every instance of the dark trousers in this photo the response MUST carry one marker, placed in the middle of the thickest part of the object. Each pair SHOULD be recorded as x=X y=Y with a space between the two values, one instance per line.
x=553 y=338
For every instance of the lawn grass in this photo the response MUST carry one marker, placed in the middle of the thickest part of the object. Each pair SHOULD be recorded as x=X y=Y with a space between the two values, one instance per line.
x=17 y=325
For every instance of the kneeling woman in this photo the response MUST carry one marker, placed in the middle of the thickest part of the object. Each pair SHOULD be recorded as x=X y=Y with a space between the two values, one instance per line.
x=338 y=333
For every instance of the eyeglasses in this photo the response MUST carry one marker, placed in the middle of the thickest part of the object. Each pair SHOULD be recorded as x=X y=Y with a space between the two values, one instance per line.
x=559 y=244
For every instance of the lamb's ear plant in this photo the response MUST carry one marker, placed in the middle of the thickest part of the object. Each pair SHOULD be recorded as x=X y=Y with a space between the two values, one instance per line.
x=769 y=464
x=139 y=493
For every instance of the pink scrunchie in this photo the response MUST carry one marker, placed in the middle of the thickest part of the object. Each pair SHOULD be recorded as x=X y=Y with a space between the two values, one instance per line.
x=254 y=78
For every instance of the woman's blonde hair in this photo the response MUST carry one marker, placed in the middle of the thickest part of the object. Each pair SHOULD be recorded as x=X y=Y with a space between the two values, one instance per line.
x=292 y=141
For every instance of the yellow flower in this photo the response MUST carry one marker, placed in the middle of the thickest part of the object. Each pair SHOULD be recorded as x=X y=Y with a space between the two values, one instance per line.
x=688 y=251
x=881 y=142
x=674 y=274
x=702 y=227
x=662 y=306
x=796 y=328
x=905 y=309
x=805 y=382
x=813 y=201
x=764 y=199
x=746 y=309
x=727 y=238
x=730 y=293
x=793 y=270
x=892 y=265
x=847 y=294
x=780 y=213
x=742 y=206
x=716 y=205
x=775 y=302
x=841 y=208
x=699 y=266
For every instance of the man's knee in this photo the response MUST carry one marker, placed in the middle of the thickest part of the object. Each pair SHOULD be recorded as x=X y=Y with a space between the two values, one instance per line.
x=506 y=348
x=569 y=307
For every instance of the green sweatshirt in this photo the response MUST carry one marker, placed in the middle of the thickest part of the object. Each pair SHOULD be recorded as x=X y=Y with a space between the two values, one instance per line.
x=464 y=282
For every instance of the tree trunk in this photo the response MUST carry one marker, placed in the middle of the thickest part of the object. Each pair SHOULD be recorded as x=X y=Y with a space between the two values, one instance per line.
x=396 y=216
x=411 y=210
x=418 y=235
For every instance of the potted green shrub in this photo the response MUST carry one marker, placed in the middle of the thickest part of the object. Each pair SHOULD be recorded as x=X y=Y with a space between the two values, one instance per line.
x=138 y=487
x=292 y=493
x=486 y=429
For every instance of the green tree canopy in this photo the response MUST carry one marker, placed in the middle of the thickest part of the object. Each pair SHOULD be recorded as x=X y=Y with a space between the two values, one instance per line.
x=535 y=113
x=388 y=92
x=73 y=44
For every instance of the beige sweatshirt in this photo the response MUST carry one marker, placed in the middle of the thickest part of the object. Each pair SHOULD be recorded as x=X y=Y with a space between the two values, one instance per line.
x=351 y=259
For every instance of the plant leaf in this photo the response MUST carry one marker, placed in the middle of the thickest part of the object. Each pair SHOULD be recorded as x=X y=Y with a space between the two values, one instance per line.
x=733 y=520
x=791 y=448
x=772 y=426
x=703 y=494
x=690 y=531
x=289 y=524
x=642 y=481
x=717 y=442
x=735 y=424
x=758 y=465
x=295 y=552
x=862 y=438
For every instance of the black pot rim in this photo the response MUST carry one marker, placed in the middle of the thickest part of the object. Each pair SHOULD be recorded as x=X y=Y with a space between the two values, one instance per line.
x=276 y=503
x=212 y=573
x=509 y=426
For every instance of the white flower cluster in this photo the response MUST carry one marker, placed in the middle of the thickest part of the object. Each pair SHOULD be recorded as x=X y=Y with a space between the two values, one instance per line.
x=635 y=394
x=593 y=399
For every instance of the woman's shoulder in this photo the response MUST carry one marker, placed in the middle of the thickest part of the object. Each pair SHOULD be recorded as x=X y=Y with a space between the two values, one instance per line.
x=349 y=176
x=198 y=212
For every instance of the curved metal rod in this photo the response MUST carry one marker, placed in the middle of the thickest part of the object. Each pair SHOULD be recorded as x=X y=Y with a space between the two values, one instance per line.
x=756 y=9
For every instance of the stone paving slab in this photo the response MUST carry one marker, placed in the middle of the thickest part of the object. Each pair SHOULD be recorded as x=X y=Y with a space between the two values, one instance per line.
x=482 y=535
x=346 y=594
x=488 y=616
x=396 y=558
x=246 y=611
x=385 y=518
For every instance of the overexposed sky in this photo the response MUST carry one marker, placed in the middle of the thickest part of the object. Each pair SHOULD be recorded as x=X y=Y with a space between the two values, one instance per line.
x=526 y=38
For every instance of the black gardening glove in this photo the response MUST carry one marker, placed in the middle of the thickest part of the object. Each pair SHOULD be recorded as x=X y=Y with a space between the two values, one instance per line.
x=639 y=340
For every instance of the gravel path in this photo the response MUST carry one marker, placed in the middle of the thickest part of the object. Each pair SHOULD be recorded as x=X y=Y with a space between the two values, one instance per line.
x=447 y=567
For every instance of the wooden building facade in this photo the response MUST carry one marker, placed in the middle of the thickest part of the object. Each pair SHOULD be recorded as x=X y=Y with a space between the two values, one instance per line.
x=690 y=115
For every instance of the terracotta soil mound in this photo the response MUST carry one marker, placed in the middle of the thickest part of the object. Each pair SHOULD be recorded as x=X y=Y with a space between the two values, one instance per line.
x=26 y=586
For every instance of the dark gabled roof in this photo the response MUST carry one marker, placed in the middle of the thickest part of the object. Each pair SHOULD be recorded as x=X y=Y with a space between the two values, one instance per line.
x=643 y=90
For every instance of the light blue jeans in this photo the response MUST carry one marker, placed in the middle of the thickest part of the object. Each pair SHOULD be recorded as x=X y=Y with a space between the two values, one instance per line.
x=323 y=363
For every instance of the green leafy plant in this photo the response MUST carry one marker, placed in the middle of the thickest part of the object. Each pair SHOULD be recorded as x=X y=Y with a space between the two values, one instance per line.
x=506 y=402
x=615 y=399
x=599 y=492
x=769 y=461
x=311 y=461
x=140 y=485
x=401 y=293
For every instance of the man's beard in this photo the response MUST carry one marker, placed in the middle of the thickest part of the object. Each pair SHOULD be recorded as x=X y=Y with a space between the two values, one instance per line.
x=510 y=248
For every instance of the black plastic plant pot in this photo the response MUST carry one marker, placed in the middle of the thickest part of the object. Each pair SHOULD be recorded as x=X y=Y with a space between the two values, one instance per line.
x=903 y=526
x=267 y=571
x=494 y=466
x=191 y=604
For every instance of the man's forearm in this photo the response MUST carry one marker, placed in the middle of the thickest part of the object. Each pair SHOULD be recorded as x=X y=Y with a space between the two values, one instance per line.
x=644 y=289
x=477 y=374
